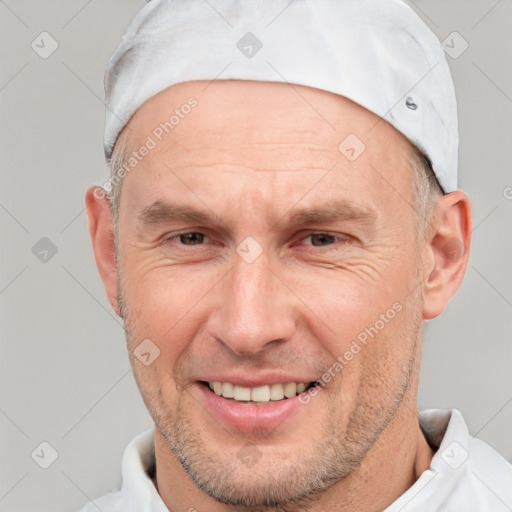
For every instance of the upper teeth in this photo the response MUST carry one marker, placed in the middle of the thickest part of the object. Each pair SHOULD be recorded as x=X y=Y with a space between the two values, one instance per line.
x=258 y=394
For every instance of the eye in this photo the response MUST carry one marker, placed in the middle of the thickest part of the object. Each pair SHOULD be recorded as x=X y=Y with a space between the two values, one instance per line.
x=189 y=238
x=321 y=239
x=192 y=238
x=325 y=240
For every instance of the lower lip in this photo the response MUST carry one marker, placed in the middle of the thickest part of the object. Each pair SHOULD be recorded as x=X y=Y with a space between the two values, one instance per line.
x=267 y=415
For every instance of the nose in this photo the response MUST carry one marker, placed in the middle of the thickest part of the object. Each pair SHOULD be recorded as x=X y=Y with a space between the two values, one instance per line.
x=254 y=308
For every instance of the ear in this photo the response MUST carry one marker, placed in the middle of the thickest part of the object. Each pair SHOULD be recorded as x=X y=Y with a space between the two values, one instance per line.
x=448 y=242
x=99 y=215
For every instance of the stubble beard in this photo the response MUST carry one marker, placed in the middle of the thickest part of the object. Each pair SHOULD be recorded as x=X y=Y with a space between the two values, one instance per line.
x=285 y=482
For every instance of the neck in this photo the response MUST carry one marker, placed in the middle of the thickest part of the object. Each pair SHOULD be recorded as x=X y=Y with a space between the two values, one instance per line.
x=394 y=463
x=391 y=467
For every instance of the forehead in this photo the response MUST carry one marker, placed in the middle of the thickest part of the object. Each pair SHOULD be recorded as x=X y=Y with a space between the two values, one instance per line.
x=263 y=134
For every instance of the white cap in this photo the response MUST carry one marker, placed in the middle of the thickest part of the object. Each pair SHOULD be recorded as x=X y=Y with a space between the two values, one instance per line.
x=378 y=53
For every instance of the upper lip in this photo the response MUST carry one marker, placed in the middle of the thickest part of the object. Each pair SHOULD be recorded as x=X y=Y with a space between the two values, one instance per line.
x=253 y=381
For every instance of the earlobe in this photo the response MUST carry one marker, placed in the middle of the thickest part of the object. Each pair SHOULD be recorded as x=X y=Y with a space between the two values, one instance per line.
x=449 y=242
x=99 y=215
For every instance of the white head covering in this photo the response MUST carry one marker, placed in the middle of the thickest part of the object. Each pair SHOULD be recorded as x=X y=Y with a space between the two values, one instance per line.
x=378 y=53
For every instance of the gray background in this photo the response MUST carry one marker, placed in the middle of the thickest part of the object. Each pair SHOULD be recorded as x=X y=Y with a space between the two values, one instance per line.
x=64 y=372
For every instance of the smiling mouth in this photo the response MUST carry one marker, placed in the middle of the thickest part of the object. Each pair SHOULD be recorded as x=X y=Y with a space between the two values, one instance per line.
x=259 y=394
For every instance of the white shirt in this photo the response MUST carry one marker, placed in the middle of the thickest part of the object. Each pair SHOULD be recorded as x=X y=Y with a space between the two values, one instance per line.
x=465 y=475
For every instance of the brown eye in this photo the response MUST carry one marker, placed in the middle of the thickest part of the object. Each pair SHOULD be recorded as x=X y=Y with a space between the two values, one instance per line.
x=321 y=239
x=191 y=238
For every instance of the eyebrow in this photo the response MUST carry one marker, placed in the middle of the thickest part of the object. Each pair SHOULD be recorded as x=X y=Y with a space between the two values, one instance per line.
x=331 y=211
x=161 y=212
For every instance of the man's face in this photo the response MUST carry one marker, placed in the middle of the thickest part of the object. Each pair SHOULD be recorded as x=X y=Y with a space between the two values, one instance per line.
x=255 y=295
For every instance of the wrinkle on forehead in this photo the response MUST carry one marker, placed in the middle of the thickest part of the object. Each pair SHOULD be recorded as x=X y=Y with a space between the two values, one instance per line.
x=239 y=128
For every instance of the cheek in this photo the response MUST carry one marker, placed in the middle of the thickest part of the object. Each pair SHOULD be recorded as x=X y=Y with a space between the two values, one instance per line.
x=162 y=301
x=338 y=305
x=351 y=302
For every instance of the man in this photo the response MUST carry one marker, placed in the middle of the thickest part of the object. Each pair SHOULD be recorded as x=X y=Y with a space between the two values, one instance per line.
x=281 y=219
